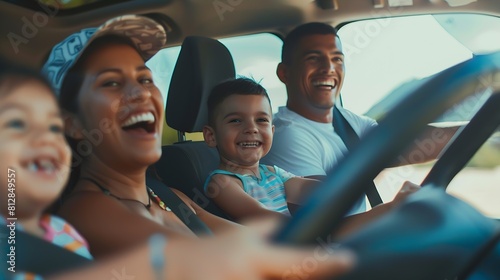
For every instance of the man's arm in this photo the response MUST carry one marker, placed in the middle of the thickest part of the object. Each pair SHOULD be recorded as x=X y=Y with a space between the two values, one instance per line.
x=427 y=146
x=298 y=188
x=355 y=222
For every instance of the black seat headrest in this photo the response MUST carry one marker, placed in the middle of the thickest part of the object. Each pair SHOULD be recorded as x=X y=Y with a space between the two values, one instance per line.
x=202 y=63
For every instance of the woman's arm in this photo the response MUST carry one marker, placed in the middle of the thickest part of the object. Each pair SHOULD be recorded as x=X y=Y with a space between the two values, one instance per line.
x=233 y=255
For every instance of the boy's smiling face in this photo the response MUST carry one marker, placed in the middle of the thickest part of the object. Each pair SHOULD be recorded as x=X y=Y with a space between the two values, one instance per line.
x=33 y=145
x=243 y=131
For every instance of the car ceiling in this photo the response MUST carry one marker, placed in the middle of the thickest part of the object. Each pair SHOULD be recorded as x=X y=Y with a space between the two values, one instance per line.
x=211 y=18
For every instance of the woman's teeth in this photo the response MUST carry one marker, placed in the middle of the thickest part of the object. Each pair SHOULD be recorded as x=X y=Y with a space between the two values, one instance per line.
x=144 y=117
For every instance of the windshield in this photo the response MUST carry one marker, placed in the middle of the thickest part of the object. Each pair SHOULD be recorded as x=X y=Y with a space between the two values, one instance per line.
x=382 y=55
x=478 y=33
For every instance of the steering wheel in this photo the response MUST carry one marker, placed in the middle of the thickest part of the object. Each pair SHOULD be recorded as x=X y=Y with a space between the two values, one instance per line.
x=431 y=235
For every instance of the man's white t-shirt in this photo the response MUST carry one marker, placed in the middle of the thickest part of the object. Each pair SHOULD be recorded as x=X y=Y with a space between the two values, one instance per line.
x=307 y=148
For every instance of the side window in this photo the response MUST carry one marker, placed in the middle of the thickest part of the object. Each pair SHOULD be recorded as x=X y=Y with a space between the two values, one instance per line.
x=382 y=55
x=255 y=56
x=162 y=65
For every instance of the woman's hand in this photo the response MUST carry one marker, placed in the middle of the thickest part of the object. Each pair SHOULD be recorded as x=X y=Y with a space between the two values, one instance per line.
x=247 y=254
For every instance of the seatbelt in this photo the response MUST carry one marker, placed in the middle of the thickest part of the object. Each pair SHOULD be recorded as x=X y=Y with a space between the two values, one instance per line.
x=180 y=209
x=350 y=139
x=41 y=257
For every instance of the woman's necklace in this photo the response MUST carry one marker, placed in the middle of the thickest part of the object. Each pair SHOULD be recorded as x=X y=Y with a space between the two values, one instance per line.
x=158 y=200
x=107 y=192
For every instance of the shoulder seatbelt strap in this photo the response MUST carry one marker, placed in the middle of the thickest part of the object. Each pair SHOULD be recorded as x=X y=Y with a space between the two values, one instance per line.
x=180 y=209
x=41 y=257
x=350 y=139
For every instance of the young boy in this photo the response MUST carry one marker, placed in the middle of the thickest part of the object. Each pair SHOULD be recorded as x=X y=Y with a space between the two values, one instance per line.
x=240 y=126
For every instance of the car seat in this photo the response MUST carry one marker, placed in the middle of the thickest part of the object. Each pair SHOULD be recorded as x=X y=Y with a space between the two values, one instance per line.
x=185 y=165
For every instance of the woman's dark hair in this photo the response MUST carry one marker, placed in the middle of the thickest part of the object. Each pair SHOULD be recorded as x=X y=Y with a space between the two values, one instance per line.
x=240 y=86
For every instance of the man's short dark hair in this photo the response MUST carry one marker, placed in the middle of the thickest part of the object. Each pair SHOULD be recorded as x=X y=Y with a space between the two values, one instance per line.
x=240 y=86
x=293 y=38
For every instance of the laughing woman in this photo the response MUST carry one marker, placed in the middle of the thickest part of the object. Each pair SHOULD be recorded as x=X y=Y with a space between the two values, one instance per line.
x=114 y=123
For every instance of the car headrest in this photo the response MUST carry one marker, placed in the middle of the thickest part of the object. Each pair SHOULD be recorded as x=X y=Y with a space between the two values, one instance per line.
x=202 y=63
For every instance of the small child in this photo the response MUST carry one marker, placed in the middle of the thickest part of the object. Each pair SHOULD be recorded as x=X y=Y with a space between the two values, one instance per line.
x=35 y=160
x=240 y=127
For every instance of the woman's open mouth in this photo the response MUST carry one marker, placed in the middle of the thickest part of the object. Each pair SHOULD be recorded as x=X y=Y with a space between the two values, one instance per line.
x=141 y=123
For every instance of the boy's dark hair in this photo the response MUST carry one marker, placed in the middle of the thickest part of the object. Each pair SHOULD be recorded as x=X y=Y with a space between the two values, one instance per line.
x=293 y=38
x=240 y=86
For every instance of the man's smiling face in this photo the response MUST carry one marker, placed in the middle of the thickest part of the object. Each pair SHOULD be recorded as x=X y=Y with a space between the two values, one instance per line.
x=315 y=73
